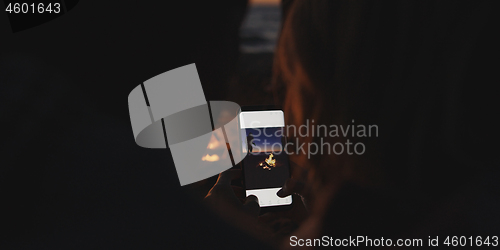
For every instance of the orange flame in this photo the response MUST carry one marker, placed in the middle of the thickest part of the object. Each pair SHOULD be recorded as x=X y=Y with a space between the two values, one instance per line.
x=270 y=161
x=210 y=158
x=214 y=143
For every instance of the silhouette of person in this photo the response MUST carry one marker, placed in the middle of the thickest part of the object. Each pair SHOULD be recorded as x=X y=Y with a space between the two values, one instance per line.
x=250 y=142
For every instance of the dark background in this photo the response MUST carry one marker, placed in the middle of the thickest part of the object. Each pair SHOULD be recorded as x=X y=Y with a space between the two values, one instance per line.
x=72 y=176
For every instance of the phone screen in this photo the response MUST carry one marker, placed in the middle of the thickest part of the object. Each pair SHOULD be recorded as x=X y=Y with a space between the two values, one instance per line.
x=266 y=166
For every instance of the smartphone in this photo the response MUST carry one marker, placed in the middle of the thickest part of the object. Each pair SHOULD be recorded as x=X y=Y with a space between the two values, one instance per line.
x=266 y=165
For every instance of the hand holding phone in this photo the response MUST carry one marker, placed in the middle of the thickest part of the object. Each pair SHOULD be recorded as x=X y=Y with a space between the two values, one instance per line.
x=222 y=194
x=266 y=166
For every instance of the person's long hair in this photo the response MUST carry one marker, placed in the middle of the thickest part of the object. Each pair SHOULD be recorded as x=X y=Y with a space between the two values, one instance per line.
x=408 y=68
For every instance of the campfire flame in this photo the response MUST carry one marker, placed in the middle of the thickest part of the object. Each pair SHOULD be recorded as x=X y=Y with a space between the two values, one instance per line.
x=210 y=158
x=214 y=143
x=268 y=163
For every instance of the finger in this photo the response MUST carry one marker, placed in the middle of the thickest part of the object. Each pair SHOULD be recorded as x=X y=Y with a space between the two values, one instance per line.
x=227 y=176
x=242 y=200
x=291 y=186
x=239 y=191
x=251 y=205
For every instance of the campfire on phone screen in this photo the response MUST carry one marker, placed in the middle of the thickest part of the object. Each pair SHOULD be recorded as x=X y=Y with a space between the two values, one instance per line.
x=268 y=163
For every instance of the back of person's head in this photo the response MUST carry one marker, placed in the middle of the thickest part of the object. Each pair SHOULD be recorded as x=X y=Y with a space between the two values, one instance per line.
x=417 y=70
